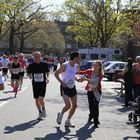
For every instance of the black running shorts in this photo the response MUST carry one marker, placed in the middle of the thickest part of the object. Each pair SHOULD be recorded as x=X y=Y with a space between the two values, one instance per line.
x=5 y=70
x=21 y=74
x=71 y=92
x=39 y=89
x=15 y=76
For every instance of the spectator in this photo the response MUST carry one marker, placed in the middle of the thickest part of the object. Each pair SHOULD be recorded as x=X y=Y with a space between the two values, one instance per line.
x=128 y=81
x=136 y=72
x=94 y=91
x=55 y=63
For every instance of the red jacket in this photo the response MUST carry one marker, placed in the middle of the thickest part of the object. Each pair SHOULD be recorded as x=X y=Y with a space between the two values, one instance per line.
x=89 y=72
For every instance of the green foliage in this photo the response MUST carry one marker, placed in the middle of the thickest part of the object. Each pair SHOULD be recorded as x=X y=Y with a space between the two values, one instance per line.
x=25 y=19
x=108 y=19
x=55 y=38
x=49 y=37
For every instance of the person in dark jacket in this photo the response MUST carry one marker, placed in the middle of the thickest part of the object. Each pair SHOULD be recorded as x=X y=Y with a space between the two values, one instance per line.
x=128 y=81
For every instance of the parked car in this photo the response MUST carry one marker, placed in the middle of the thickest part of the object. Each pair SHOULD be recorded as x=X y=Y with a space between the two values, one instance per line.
x=88 y=65
x=105 y=64
x=111 y=68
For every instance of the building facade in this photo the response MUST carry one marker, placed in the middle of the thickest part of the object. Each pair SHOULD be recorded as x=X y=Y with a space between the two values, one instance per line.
x=135 y=42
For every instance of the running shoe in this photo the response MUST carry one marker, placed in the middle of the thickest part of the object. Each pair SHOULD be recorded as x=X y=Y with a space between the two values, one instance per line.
x=96 y=125
x=44 y=113
x=15 y=95
x=69 y=124
x=59 y=118
x=90 y=120
x=40 y=116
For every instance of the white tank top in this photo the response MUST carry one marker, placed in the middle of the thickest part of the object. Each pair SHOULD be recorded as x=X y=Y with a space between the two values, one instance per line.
x=68 y=76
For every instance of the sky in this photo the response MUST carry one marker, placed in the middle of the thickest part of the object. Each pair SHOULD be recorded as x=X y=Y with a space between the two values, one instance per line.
x=56 y=3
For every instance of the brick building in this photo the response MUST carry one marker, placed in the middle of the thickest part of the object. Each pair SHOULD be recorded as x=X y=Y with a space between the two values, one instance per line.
x=133 y=48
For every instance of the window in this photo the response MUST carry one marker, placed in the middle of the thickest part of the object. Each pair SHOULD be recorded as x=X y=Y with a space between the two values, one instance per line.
x=122 y=66
x=68 y=46
x=116 y=51
x=94 y=56
x=62 y=29
x=119 y=66
x=103 y=55
x=68 y=37
x=135 y=41
x=83 y=56
x=116 y=66
x=135 y=28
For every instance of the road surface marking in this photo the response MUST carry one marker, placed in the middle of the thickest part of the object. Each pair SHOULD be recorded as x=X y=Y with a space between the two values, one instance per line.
x=23 y=89
x=5 y=102
x=2 y=104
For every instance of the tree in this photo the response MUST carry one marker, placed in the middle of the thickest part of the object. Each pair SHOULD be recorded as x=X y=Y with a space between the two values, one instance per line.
x=129 y=28
x=84 y=33
x=20 y=14
x=56 y=41
x=4 y=28
x=105 y=16
x=49 y=39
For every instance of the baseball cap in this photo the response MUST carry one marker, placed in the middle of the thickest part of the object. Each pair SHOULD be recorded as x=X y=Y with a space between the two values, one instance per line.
x=15 y=56
x=137 y=58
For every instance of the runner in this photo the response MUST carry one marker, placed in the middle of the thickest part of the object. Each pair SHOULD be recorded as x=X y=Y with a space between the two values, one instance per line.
x=15 y=69
x=1 y=83
x=5 y=63
x=22 y=61
x=37 y=71
x=68 y=71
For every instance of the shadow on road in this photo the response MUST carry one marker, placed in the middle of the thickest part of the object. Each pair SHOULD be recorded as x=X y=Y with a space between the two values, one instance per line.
x=58 y=135
x=85 y=132
x=106 y=80
x=124 y=109
x=130 y=138
x=6 y=99
x=9 y=91
x=21 y=127
x=82 y=134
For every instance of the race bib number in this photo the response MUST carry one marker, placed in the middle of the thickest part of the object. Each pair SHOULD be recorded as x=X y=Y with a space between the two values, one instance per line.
x=38 y=77
x=15 y=71
x=70 y=83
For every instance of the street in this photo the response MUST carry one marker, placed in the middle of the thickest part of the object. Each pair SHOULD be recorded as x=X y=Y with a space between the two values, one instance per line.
x=19 y=115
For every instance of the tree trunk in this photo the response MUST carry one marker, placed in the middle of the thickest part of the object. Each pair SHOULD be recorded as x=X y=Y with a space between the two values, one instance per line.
x=21 y=43
x=130 y=49
x=11 y=41
x=103 y=43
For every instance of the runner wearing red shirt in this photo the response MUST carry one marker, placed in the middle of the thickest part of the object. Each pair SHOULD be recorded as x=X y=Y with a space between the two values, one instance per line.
x=22 y=61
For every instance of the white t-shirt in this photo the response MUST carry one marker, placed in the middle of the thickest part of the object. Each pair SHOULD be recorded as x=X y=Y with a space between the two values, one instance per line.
x=5 y=62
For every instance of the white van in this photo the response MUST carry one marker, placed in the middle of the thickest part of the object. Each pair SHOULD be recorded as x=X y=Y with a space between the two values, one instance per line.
x=113 y=66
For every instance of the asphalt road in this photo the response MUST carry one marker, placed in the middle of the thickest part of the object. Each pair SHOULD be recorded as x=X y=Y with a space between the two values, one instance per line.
x=18 y=115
